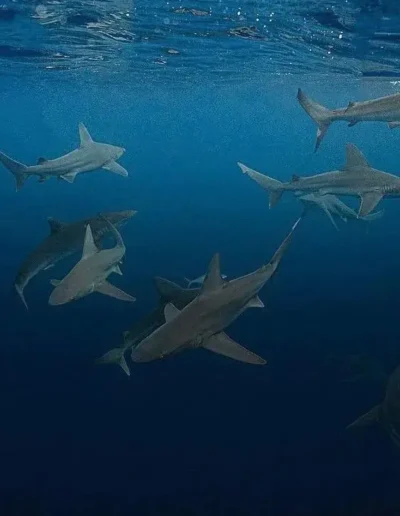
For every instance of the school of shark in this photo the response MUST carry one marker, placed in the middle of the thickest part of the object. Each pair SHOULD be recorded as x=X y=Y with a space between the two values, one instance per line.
x=199 y=314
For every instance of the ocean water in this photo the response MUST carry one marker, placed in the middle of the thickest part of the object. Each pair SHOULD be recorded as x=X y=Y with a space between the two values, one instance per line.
x=198 y=434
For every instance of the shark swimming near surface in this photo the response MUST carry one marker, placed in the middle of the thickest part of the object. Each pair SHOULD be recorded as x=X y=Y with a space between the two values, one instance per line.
x=333 y=206
x=88 y=157
x=91 y=272
x=357 y=179
x=202 y=322
x=200 y=280
x=64 y=239
x=386 y=413
x=384 y=109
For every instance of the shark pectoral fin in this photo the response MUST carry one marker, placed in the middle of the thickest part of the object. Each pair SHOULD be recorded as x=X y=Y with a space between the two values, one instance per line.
x=329 y=215
x=372 y=416
x=369 y=201
x=89 y=247
x=70 y=177
x=116 y=168
x=49 y=267
x=84 y=135
x=56 y=225
x=223 y=345
x=170 y=312
x=255 y=302
x=393 y=125
x=55 y=282
x=115 y=356
x=354 y=158
x=108 y=289
x=213 y=278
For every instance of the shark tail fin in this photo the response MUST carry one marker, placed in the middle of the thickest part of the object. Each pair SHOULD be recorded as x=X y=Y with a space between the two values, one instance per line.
x=20 y=291
x=367 y=419
x=275 y=260
x=321 y=115
x=115 y=356
x=273 y=186
x=16 y=168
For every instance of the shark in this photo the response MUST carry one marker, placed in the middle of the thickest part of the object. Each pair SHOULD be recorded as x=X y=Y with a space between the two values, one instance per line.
x=89 y=156
x=65 y=239
x=200 y=280
x=169 y=292
x=356 y=179
x=202 y=322
x=383 y=109
x=333 y=206
x=387 y=413
x=91 y=272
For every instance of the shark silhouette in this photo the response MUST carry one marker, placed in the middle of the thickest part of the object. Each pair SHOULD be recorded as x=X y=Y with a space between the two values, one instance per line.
x=384 y=109
x=88 y=157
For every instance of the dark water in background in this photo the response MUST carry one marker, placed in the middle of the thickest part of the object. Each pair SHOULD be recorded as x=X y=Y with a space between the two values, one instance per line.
x=197 y=433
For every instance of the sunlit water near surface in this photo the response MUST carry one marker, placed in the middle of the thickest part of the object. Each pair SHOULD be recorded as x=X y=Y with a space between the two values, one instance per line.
x=189 y=90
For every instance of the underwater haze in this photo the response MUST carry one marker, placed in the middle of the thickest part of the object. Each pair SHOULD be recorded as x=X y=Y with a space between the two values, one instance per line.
x=189 y=91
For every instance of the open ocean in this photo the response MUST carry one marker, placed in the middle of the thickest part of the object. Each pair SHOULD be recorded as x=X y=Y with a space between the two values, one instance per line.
x=189 y=90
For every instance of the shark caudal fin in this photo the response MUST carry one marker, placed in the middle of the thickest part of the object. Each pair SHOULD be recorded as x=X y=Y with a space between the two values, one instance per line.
x=371 y=417
x=321 y=115
x=16 y=168
x=273 y=186
x=115 y=356
x=20 y=292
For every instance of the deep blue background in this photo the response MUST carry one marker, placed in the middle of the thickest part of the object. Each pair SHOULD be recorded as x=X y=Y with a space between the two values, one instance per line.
x=197 y=433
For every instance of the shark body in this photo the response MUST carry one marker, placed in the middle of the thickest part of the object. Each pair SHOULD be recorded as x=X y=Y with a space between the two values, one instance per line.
x=91 y=272
x=386 y=413
x=202 y=322
x=333 y=206
x=64 y=239
x=88 y=157
x=357 y=179
x=383 y=109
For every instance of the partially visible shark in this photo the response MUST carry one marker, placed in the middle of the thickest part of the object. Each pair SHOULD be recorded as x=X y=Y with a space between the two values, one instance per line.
x=88 y=157
x=203 y=321
x=91 y=272
x=64 y=240
x=357 y=178
x=200 y=280
x=332 y=205
x=386 y=413
x=383 y=109
x=169 y=292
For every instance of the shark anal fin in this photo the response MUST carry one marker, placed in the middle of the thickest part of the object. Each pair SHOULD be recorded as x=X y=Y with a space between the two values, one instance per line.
x=116 y=168
x=117 y=270
x=70 y=177
x=353 y=123
x=393 y=125
x=89 y=247
x=55 y=225
x=170 y=312
x=84 y=135
x=370 y=417
x=369 y=201
x=108 y=289
x=223 y=345
x=354 y=157
x=213 y=278
x=255 y=302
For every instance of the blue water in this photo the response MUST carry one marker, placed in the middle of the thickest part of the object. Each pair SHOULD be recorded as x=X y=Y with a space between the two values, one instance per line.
x=197 y=434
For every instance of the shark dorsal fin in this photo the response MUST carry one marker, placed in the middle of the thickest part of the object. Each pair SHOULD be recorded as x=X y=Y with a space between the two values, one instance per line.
x=89 y=247
x=84 y=135
x=213 y=277
x=55 y=225
x=170 y=312
x=354 y=157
